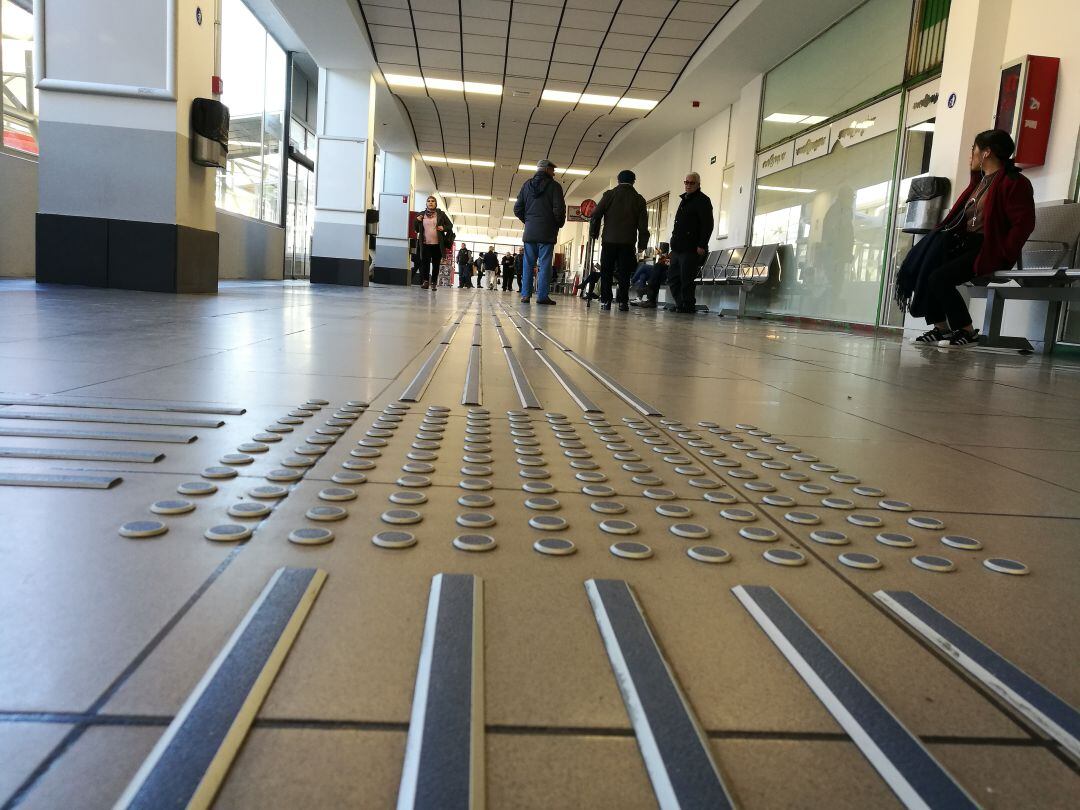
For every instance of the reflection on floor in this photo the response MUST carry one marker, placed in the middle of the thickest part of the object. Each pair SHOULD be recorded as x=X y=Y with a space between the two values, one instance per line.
x=737 y=494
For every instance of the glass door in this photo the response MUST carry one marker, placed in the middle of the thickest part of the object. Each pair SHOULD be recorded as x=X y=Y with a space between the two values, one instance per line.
x=299 y=213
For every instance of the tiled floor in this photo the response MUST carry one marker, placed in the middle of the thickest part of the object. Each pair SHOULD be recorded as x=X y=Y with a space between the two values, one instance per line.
x=103 y=638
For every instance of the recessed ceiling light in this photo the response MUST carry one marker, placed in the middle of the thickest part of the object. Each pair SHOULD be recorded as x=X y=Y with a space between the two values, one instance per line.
x=457 y=161
x=400 y=80
x=789 y=190
x=598 y=100
x=794 y=118
x=466 y=196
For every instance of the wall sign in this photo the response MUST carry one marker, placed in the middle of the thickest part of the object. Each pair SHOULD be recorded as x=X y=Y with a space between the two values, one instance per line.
x=922 y=103
x=867 y=123
x=812 y=145
x=776 y=159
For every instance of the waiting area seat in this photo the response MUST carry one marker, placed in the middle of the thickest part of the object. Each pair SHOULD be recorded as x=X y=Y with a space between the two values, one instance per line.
x=1048 y=270
x=743 y=267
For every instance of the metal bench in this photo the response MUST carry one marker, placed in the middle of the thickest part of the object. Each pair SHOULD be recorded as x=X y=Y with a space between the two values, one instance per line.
x=749 y=267
x=1048 y=270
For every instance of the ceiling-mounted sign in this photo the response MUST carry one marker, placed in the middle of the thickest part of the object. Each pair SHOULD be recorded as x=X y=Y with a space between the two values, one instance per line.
x=922 y=103
x=867 y=124
x=812 y=145
x=776 y=159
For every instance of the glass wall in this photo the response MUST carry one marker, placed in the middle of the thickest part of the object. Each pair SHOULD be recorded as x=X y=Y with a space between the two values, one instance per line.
x=860 y=57
x=17 y=61
x=658 y=220
x=254 y=70
x=300 y=207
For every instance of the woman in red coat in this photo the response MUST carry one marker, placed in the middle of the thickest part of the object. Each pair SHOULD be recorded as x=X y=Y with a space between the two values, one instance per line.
x=986 y=230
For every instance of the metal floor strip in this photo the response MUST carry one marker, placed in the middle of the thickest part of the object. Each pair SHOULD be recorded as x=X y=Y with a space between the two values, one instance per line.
x=471 y=394
x=617 y=388
x=580 y=397
x=444 y=752
x=1039 y=705
x=912 y=773
x=525 y=392
x=72 y=454
x=102 y=435
x=477 y=335
x=419 y=384
x=59 y=481
x=115 y=419
x=672 y=743
x=123 y=405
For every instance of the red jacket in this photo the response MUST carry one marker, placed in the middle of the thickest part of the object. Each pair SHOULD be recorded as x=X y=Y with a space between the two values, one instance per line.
x=1008 y=220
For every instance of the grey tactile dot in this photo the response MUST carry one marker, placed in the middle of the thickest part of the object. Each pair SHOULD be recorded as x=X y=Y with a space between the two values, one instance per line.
x=856 y=559
x=475 y=520
x=704 y=483
x=538 y=487
x=842 y=478
x=778 y=500
x=608 y=507
x=301 y=413
x=591 y=477
x=414 y=481
x=478 y=458
x=805 y=457
x=647 y=480
x=539 y=473
x=868 y=521
x=637 y=468
x=530 y=461
x=708 y=554
x=318 y=401
x=228 y=533
x=410 y=497
x=577 y=454
x=934 y=563
x=743 y=475
x=372 y=442
x=829 y=468
x=794 y=476
x=804 y=518
x=691 y=531
x=392 y=539
x=658 y=494
x=268 y=492
x=895 y=539
x=311 y=536
x=476 y=500
x=426 y=445
x=815 y=489
x=743 y=446
x=265 y=438
x=598 y=491
x=740 y=515
x=279 y=428
x=424 y=436
x=925 y=522
x=348 y=478
x=422 y=455
x=869 y=492
x=961 y=542
x=475 y=484
x=745 y=426
x=721 y=497
x=633 y=457
x=252 y=447
x=401 y=516
x=788 y=448
x=759 y=486
x=758 y=455
x=237 y=459
x=326 y=513
x=309 y=450
x=1003 y=565
x=330 y=430
x=784 y=556
x=759 y=534
x=837 y=503
x=298 y=461
x=290 y=420
x=337 y=494
x=829 y=538
x=138 y=529
x=418 y=467
x=474 y=542
x=895 y=506
x=677 y=459
x=365 y=452
x=249 y=509
x=631 y=551
x=358 y=403
x=555 y=546
x=283 y=475
x=542 y=504
x=617 y=526
x=197 y=488
x=548 y=523
x=358 y=464
x=674 y=510
x=775 y=465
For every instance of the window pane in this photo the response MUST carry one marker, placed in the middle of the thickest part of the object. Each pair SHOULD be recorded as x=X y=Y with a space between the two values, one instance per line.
x=724 y=217
x=273 y=132
x=20 y=97
x=860 y=57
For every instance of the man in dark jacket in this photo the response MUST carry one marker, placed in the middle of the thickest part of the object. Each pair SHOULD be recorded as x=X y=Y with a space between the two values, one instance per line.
x=507 y=271
x=491 y=260
x=690 y=237
x=540 y=205
x=622 y=211
x=464 y=264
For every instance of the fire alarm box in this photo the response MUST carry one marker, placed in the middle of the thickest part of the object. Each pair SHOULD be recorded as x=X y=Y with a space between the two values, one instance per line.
x=1026 y=105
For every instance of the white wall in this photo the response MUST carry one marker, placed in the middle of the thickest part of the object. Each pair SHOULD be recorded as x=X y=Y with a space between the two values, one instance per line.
x=18 y=205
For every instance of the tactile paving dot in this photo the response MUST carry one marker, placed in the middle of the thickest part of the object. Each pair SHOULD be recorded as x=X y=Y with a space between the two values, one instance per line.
x=608 y=507
x=961 y=542
x=268 y=492
x=279 y=428
x=677 y=459
x=530 y=461
x=631 y=551
x=348 y=478
x=310 y=536
x=555 y=546
x=721 y=498
x=784 y=556
x=743 y=446
x=869 y=521
x=804 y=518
x=329 y=430
x=815 y=489
x=475 y=520
x=326 y=513
x=778 y=500
x=266 y=438
x=829 y=538
x=674 y=510
x=837 y=503
x=236 y=459
x=365 y=452
x=290 y=420
x=358 y=464
x=414 y=481
x=197 y=488
x=630 y=456
x=598 y=491
x=924 y=522
x=283 y=475
x=394 y=539
x=577 y=454
x=252 y=447
x=474 y=542
x=426 y=445
x=691 y=531
x=228 y=533
x=708 y=554
x=794 y=476
x=856 y=559
x=359 y=403
x=376 y=442
x=759 y=534
x=249 y=509
x=647 y=480
x=930 y=562
x=895 y=506
x=807 y=457
x=423 y=455
x=895 y=539
x=401 y=516
x=309 y=450
x=591 y=477
x=619 y=526
x=760 y=486
x=744 y=475
x=659 y=494
x=418 y=467
x=1003 y=565
x=299 y=412
x=548 y=523
x=542 y=504
x=337 y=494
x=138 y=529
x=704 y=483
x=298 y=461
x=740 y=515
x=407 y=498
x=538 y=473
x=538 y=487
x=868 y=492
x=775 y=465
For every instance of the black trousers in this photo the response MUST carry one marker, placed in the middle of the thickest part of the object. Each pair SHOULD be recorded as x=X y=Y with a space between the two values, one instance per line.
x=430 y=257
x=620 y=261
x=464 y=275
x=656 y=280
x=507 y=278
x=943 y=301
x=681 y=275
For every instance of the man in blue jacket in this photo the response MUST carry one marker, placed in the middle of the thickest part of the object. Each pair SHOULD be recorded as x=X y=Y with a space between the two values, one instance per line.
x=540 y=205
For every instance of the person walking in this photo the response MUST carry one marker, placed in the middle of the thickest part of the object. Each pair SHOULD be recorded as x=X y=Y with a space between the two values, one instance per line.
x=626 y=223
x=507 y=271
x=491 y=261
x=519 y=267
x=690 y=237
x=432 y=227
x=464 y=265
x=540 y=205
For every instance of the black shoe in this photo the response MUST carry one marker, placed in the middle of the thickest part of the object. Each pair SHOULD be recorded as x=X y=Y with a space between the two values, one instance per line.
x=546 y=301
x=646 y=304
x=624 y=307
x=931 y=338
x=961 y=339
x=605 y=306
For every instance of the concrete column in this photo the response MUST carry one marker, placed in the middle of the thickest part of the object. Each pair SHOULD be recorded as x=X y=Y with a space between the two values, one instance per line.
x=393 y=259
x=344 y=177
x=120 y=203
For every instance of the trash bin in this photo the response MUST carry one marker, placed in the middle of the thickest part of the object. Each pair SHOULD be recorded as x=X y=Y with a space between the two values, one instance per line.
x=925 y=203
x=209 y=133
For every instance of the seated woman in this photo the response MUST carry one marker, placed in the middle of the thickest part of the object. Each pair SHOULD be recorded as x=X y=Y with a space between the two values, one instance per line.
x=983 y=234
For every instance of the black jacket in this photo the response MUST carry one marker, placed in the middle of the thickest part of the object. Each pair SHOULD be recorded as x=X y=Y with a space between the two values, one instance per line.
x=693 y=223
x=464 y=256
x=445 y=236
x=625 y=218
x=540 y=205
x=491 y=260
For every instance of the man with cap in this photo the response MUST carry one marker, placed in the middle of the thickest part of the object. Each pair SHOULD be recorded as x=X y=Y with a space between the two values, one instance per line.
x=540 y=205
x=623 y=213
